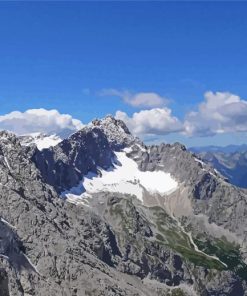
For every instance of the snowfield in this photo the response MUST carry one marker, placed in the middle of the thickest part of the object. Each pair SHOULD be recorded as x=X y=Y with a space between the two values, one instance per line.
x=124 y=177
x=47 y=141
x=42 y=141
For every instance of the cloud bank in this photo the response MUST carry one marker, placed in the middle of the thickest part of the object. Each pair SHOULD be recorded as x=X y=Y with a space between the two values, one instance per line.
x=39 y=120
x=157 y=121
x=220 y=112
x=142 y=99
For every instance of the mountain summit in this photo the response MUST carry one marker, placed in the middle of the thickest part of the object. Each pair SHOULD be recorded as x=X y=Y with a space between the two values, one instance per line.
x=117 y=133
x=100 y=213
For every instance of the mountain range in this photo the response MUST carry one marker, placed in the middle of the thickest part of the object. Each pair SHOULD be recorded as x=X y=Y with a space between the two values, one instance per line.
x=230 y=161
x=220 y=149
x=101 y=213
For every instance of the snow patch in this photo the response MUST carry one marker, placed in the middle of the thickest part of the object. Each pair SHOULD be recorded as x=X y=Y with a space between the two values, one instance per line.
x=7 y=162
x=128 y=149
x=124 y=177
x=4 y=256
x=32 y=265
x=46 y=142
x=199 y=160
x=7 y=223
x=42 y=141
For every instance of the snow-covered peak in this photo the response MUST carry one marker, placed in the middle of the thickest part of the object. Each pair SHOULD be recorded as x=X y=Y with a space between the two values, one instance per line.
x=41 y=140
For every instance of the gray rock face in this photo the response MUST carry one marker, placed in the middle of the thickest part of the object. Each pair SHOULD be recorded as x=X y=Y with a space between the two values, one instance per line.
x=116 y=245
x=116 y=132
x=64 y=165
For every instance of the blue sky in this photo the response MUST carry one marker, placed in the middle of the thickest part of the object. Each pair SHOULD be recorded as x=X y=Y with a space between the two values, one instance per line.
x=61 y=55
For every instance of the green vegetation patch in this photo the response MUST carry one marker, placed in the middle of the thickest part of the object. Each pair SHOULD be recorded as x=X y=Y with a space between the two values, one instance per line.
x=227 y=253
x=177 y=292
x=170 y=234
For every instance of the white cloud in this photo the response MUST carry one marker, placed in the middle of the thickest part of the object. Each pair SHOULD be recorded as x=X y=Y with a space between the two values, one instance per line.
x=221 y=112
x=142 y=99
x=157 y=121
x=39 y=120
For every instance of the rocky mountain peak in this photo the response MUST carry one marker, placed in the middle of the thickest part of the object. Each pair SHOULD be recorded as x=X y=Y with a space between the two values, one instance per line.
x=6 y=136
x=115 y=130
x=110 y=120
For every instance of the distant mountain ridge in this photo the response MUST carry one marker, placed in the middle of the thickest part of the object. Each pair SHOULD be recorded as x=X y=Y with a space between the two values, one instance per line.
x=230 y=161
x=231 y=165
x=224 y=149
